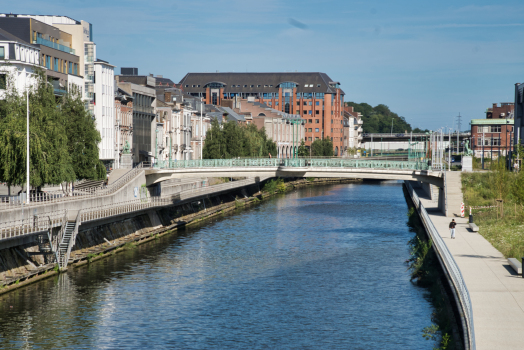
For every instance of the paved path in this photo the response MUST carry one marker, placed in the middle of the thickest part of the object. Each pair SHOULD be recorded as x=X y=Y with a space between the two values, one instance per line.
x=496 y=291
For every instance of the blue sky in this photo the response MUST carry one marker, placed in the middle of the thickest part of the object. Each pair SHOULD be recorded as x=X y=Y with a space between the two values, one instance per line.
x=427 y=61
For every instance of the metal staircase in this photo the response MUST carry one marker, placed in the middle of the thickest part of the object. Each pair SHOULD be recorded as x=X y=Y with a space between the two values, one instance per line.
x=63 y=247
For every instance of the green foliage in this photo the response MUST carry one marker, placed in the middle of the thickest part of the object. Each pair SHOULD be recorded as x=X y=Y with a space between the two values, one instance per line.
x=56 y=268
x=273 y=185
x=322 y=148
x=57 y=132
x=231 y=140
x=302 y=150
x=378 y=119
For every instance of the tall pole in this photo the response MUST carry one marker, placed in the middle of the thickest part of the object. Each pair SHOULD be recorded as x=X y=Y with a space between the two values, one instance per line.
x=391 y=126
x=201 y=130
x=27 y=149
x=449 y=149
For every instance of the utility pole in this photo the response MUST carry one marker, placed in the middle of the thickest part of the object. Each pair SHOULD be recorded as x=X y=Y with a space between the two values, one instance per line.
x=201 y=129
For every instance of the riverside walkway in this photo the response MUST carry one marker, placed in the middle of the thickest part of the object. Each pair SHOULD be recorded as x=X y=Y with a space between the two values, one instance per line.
x=495 y=290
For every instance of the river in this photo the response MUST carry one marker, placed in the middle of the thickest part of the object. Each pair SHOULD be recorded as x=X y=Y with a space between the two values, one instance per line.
x=319 y=268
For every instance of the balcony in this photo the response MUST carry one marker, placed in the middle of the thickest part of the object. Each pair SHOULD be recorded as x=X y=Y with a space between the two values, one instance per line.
x=53 y=45
x=360 y=122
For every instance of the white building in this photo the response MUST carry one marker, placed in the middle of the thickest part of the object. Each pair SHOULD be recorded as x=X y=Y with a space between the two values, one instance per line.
x=104 y=109
x=18 y=61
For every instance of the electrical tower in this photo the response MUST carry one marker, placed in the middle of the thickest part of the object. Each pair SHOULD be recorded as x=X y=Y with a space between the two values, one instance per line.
x=459 y=123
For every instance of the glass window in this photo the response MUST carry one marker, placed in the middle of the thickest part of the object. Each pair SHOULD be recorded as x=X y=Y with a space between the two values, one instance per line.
x=305 y=103
x=317 y=103
x=316 y=138
x=309 y=130
x=2 y=53
x=310 y=121
x=317 y=121
x=309 y=138
x=3 y=81
x=298 y=103
x=305 y=112
x=252 y=86
x=310 y=112
x=317 y=112
x=316 y=129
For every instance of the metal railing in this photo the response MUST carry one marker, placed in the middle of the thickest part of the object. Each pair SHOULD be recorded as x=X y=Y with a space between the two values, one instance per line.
x=452 y=270
x=299 y=162
x=33 y=224
x=48 y=197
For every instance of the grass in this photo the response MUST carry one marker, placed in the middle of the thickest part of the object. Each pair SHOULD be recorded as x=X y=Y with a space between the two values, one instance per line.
x=502 y=226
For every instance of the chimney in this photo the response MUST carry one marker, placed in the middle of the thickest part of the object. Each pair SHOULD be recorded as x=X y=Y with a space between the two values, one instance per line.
x=495 y=105
x=167 y=97
x=151 y=75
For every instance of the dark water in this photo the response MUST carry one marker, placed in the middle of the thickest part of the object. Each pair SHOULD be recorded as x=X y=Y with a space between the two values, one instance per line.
x=320 y=268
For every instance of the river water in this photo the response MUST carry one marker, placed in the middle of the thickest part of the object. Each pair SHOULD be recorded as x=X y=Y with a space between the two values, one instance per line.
x=319 y=268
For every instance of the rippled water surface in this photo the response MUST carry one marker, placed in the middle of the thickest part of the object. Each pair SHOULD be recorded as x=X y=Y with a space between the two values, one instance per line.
x=320 y=268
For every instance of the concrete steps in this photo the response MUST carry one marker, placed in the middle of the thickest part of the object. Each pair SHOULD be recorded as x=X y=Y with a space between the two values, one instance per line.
x=454 y=197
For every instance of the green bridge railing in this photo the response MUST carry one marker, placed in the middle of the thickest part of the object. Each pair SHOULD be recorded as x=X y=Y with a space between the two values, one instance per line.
x=301 y=162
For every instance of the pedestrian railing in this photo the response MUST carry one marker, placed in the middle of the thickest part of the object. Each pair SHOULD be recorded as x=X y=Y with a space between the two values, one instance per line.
x=31 y=225
x=451 y=268
x=298 y=162
x=48 y=197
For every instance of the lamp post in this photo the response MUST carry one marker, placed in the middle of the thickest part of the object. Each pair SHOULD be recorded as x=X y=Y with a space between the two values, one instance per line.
x=27 y=150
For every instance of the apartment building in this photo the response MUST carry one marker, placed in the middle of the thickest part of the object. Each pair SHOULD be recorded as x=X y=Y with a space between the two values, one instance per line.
x=492 y=137
x=315 y=97
x=18 y=61
x=352 y=129
x=104 y=110
x=124 y=126
x=56 y=52
x=142 y=88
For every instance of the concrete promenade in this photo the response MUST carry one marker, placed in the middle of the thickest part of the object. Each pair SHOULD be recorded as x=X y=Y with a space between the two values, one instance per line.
x=496 y=291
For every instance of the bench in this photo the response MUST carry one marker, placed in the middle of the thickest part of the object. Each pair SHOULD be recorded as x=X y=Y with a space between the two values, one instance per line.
x=516 y=265
x=473 y=227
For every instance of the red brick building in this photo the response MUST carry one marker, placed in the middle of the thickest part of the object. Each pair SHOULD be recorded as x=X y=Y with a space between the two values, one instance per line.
x=493 y=137
x=315 y=97
x=505 y=110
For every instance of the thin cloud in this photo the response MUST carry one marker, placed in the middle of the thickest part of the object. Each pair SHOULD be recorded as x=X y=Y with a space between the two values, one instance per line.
x=297 y=24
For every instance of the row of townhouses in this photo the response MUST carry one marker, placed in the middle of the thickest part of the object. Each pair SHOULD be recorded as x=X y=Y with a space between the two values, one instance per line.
x=151 y=118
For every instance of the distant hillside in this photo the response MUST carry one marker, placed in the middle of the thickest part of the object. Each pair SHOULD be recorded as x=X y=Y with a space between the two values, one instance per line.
x=378 y=119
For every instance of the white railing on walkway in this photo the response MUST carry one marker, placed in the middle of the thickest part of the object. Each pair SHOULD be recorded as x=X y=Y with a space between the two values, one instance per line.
x=33 y=224
x=49 y=197
x=451 y=268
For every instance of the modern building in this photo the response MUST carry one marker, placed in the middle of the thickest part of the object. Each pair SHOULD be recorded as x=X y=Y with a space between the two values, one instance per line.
x=104 y=110
x=56 y=51
x=18 y=61
x=352 y=129
x=315 y=97
x=491 y=137
x=142 y=88
x=80 y=40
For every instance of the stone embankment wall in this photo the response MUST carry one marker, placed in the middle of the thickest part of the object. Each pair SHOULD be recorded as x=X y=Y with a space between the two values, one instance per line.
x=20 y=265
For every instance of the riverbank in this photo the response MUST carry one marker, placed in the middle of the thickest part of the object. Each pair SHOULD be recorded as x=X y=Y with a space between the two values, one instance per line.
x=96 y=241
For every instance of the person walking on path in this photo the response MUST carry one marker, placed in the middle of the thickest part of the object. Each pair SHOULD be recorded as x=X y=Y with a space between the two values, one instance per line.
x=452 y=225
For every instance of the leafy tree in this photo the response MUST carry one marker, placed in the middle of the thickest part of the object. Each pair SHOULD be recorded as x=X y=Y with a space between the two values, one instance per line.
x=322 y=148
x=378 y=119
x=302 y=150
x=83 y=138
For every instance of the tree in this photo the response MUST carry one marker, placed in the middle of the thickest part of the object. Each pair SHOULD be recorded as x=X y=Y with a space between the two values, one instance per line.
x=55 y=156
x=322 y=148
x=379 y=119
x=302 y=150
x=83 y=138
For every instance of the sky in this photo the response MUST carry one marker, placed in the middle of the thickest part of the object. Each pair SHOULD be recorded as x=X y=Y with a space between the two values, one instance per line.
x=427 y=61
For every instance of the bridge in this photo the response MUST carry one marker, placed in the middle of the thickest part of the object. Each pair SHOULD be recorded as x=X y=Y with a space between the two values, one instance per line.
x=375 y=169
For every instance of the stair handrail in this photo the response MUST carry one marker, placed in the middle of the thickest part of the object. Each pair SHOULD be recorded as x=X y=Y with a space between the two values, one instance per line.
x=72 y=239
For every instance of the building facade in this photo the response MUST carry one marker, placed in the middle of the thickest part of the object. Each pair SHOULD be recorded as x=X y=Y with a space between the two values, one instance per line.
x=519 y=114
x=104 y=110
x=315 y=97
x=18 y=61
x=491 y=137
x=504 y=111
x=124 y=123
x=56 y=53
x=142 y=88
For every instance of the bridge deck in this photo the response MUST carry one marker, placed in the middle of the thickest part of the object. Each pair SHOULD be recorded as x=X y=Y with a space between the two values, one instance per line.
x=497 y=293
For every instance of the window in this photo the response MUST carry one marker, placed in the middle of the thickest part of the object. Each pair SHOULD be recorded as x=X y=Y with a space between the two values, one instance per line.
x=305 y=103
x=2 y=53
x=3 y=81
x=316 y=129
x=198 y=85
x=317 y=121
x=298 y=103
x=194 y=85
x=56 y=65
x=70 y=67
x=318 y=85
x=316 y=138
x=317 y=103
x=310 y=112
x=187 y=85
x=252 y=86
x=287 y=105
x=310 y=121
x=331 y=139
x=269 y=103
x=309 y=130
x=317 y=112
x=495 y=128
x=305 y=112
x=259 y=85
x=331 y=129
x=309 y=138
x=245 y=85
x=341 y=139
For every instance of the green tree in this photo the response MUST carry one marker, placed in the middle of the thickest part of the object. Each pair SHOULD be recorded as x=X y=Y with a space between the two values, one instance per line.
x=322 y=148
x=83 y=138
x=379 y=119
x=302 y=150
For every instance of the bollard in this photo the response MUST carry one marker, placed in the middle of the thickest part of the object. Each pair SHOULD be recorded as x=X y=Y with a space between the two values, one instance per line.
x=523 y=266
x=470 y=218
